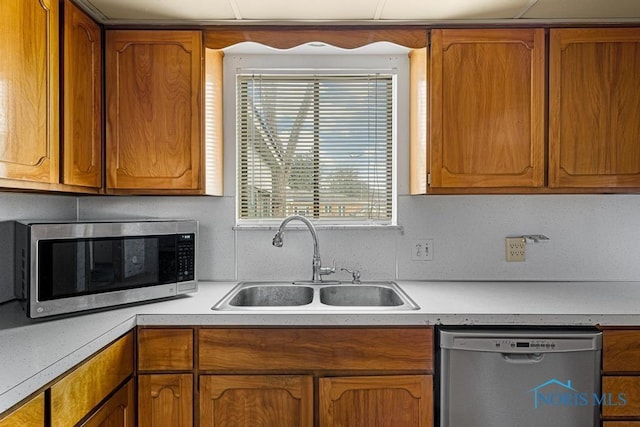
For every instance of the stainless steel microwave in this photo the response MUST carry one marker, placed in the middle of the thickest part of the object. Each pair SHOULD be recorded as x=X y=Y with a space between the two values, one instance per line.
x=64 y=267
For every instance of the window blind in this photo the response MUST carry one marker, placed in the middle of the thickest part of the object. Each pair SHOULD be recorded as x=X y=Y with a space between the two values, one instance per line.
x=315 y=145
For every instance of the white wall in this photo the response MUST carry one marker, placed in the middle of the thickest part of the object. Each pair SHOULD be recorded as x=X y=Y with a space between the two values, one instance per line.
x=25 y=206
x=593 y=237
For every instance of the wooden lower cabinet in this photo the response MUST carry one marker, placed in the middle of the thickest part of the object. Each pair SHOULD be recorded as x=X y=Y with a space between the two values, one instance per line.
x=31 y=414
x=621 y=377
x=326 y=377
x=117 y=411
x=165 y=400
x=77 y=394
x=288 y=401
x=256 y=400
x=381 y=401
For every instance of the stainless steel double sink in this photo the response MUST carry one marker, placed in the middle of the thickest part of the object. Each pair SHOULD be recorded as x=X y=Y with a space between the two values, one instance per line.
x=303 y=296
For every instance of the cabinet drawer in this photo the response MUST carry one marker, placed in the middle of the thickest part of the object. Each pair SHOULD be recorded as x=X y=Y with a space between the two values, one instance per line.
x=623 y=401
x=78 y=393
x=165 y=349
x=621 y=351
x=308 y=349
x=29 y=414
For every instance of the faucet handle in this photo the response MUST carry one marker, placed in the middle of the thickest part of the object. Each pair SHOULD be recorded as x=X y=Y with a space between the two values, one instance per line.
x=324 y=271
x=355 y=275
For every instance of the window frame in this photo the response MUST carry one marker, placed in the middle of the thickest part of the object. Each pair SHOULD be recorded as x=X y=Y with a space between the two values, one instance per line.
x=397 y=59
x=314 y=212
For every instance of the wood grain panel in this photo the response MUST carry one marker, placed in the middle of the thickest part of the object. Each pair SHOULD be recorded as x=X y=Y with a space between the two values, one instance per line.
x=82 y=128
x=214 y=136
x=418 y=121
x=258 y=400
x=621 y=351
x=154 y=86
x=377 y=401
x=621 y=424
x=288 y=37
x=165 y=400
x=73 y=397
x=165 y=349
x=29 y=414
x=307 y=349
x=118 y=411
x=594 y=108
x=622 y=396
x=487 y=108
x=29 y=137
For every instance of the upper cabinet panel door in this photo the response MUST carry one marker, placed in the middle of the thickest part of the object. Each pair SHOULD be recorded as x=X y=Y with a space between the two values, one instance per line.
x=594 y=111
x=82 y=128
x=487 y=108
x=153 y=81
x=29 y=90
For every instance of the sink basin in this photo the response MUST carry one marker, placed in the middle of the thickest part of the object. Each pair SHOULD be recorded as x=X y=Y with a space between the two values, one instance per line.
x=360 y=295
x=276 y=295
x=309 y=296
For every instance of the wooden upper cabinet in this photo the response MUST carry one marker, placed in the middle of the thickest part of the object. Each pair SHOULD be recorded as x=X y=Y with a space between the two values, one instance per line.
x=153 y=89
x=29 y=126
x=594 y=111
x=82 y=99
x=487 y=106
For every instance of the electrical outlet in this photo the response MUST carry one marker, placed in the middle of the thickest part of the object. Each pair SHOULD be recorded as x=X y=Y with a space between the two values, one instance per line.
x=515 y=249
x=422 y=250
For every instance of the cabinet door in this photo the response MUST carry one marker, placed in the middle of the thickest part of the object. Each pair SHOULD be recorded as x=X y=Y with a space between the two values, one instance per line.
x=29 y=90
x=82 y=128
x=78 y=393
x=31 y=414
x=165 y=400
x=117 y=411
x=620 y=392
x=387 y=401
x=621 y=351
x=594 y=108
x=487 y=108
x=153 y=81
x=256 y=400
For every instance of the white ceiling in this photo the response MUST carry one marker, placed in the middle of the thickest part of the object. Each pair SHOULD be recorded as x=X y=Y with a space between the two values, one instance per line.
x=382 y=11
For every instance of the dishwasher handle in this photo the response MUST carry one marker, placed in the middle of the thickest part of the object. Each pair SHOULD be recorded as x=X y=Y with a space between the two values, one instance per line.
x=523 y=358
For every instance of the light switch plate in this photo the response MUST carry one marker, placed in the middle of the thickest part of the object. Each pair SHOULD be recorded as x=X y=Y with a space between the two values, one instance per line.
x=422 y=250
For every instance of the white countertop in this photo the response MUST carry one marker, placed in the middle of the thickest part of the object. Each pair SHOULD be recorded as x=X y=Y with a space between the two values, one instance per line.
x=35 y=352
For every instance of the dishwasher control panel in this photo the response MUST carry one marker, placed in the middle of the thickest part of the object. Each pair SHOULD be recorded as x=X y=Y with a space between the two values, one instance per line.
x=516 y=342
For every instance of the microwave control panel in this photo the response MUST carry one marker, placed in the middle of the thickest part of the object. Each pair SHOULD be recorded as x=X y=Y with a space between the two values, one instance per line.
x=186 y=256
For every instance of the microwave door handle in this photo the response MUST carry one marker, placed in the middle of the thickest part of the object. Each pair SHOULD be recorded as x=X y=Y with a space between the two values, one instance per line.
x=91 y=260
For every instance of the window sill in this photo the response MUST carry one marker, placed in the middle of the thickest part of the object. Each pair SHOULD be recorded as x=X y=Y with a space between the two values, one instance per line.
x=290 y=226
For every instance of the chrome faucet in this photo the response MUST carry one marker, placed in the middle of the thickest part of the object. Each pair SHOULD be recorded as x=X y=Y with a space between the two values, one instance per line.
x=318 y=269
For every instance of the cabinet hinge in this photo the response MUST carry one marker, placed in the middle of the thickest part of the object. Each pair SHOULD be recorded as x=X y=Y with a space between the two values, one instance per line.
x=428 y=179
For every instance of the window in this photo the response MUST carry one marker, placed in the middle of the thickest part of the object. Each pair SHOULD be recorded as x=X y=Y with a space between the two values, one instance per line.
x=317 y=144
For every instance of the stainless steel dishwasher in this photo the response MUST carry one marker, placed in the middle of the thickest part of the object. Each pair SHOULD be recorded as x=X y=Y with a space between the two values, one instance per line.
x=505 y=378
